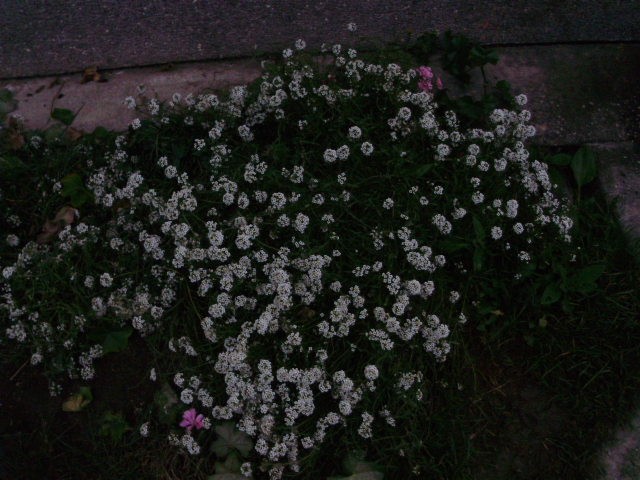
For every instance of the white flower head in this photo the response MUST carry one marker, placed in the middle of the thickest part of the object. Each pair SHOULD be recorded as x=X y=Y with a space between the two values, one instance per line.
x=366 y=148
x=355 y=132
x=371 y=372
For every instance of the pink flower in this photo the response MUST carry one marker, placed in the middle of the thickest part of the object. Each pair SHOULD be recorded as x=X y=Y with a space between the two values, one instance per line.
x=426 y=74
x=425 y=85
x=190 y=419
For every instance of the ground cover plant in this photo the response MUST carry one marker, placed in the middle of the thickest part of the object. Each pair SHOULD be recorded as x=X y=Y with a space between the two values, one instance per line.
x=314 y=263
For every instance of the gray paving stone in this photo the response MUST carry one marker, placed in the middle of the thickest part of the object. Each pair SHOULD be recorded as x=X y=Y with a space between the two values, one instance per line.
x=619 y=177
x=45 y=38
x=577 y=93
x=620 y=459
x=101 y=103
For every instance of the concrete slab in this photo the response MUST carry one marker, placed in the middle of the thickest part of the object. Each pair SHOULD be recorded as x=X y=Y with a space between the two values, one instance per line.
x=620 y=460
x=577 y=93
x=619 y=177
x=46 y=38
x=101 y=103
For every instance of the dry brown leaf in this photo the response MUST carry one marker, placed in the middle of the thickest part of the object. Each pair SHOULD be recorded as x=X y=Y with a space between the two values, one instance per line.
x=15 y=140
x=65 y=216
x=74 y=134
x=91 y=74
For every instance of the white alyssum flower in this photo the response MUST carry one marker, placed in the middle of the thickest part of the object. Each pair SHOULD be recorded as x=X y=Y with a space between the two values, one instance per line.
x=355 y=132
x=371 y=372
x=366 y=148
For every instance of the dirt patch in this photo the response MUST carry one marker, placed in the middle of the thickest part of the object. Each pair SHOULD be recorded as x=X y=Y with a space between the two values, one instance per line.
x=39 y=440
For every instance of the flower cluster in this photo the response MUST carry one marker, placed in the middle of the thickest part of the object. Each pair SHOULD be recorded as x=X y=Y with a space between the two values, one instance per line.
x=294 y=250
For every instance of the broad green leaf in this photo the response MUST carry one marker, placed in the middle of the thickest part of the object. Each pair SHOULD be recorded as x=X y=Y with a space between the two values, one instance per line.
x=6 y=95
x=71 y=184
x=583 y=165
x=551 y=294
x=7 y=103
x=116 y=341
x=584 y=281
x=63 y=115
x=114 y=426
x=229 y=438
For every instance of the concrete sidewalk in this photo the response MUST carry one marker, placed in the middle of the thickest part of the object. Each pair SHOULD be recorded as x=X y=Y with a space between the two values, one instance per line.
x=577 y=93
x=65 y=36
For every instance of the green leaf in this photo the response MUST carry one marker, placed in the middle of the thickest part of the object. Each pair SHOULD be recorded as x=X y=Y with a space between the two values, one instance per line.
x=6 y=95
x=116 y=341
x=54 y=133
x=74 y=189
x=11 y=164
x=478 y=228
x=451 y=246
x=551 y=294
x=583 y=165
x=422 y=169
x=101 y=134
x=71 y=184
x=229 y=439
x=7 y=107
x=584 y=281
x=114 y=426
x=478 y=259
x=63 y=115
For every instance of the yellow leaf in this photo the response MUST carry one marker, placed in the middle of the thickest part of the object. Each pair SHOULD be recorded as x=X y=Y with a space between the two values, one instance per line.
x=75 y=403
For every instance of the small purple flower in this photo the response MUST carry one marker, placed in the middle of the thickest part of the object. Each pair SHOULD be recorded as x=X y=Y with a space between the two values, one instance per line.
x=191 y=419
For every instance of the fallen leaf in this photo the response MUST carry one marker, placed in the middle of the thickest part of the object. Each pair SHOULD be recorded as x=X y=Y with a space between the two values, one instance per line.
x=91 y=74
x=16 y=140
x=65 y=216
x=78 y=401
x=74 y=134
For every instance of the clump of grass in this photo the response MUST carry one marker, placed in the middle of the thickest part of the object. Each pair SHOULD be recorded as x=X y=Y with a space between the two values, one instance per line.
x=303 y=254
